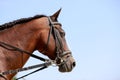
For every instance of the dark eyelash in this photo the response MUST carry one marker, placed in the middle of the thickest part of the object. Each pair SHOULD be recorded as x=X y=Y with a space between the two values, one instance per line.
x=62 y=34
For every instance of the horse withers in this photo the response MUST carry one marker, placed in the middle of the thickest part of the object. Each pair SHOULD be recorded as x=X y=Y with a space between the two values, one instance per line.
x=42 y=33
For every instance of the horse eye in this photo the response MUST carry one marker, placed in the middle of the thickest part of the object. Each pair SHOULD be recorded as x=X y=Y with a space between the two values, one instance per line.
x=62 y=34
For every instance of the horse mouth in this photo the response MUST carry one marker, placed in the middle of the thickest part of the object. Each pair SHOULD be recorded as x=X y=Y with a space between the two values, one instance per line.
x=67 y=67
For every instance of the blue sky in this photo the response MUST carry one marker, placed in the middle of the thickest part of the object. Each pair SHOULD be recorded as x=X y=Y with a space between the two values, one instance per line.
x=92 y=31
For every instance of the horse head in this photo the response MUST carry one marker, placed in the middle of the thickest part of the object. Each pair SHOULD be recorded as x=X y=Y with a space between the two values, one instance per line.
x=55 y=45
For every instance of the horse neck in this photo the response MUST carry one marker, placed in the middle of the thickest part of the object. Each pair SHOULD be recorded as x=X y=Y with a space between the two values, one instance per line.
x=22 y=36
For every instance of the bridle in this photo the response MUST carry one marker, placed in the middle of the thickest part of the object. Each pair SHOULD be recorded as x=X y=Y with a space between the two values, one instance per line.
x=59 y=51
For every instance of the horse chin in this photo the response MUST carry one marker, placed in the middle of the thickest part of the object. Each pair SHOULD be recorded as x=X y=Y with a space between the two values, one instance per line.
x=66 y=67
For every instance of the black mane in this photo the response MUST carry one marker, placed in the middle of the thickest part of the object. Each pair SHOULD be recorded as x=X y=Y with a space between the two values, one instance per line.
x=19 y=21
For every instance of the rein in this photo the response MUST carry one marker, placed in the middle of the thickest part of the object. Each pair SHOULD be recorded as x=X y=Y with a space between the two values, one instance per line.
x=13 y=48
x=44 y=65
x=47 y=62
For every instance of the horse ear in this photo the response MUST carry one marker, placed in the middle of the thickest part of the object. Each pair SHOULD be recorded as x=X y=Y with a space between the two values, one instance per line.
x=55 y=15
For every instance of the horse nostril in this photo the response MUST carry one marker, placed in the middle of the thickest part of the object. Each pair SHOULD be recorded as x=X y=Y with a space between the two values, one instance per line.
x=74 y=64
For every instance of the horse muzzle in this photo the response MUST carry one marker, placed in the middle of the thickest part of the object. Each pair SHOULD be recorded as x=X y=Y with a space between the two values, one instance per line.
x=67 y=63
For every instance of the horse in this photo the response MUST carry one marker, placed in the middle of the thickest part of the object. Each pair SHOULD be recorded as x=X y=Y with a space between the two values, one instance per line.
x=40 y=32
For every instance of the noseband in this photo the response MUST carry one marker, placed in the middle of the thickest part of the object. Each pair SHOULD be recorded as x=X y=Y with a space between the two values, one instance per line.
x=59 y=51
